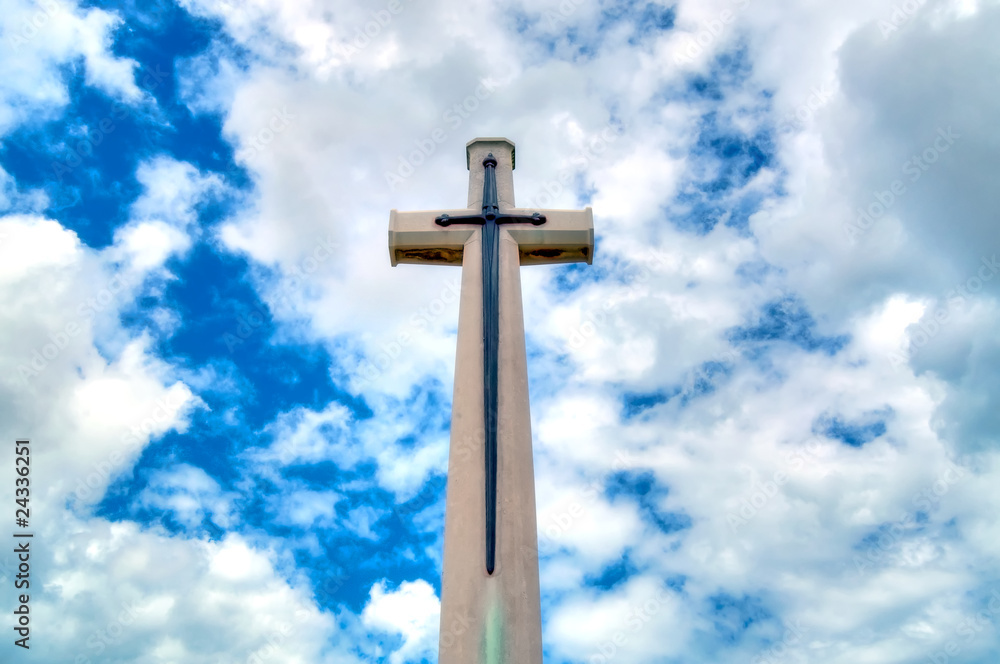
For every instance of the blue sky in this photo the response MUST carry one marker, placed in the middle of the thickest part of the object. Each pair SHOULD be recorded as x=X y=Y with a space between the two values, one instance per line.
x=765 y=419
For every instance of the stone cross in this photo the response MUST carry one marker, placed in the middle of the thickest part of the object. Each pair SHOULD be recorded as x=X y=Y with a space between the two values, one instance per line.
x=490 y=604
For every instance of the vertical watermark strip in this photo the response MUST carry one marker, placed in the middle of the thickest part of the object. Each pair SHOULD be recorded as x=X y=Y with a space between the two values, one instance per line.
x=22 y=541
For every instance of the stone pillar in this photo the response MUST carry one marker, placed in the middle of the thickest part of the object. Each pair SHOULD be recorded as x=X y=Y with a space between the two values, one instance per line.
x=490 y=619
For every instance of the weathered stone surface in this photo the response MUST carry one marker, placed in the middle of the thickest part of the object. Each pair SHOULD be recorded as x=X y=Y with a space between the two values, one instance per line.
x=491 y=618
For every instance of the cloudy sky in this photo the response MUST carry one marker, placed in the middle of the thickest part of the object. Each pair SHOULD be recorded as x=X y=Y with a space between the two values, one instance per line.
x=765 y=419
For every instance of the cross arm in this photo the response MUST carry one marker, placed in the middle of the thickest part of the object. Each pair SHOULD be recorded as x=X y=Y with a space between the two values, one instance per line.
x=567 y=236
x=415 y=238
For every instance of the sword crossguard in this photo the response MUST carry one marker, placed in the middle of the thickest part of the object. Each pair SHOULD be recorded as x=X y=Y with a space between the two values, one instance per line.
x=491 y=205
x=448 y=220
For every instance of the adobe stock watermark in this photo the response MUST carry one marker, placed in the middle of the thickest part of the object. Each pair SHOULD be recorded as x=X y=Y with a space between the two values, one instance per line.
x=279 y=633
x=249 y=322
x=429 y=495
x=708 y=33
x=778 y=651
x=637 y=618
x=454 y=116
x=74 y=155
x=889 y=537
x=434 y=490
x=104 y=638
x=593 y=147
x=761 y=493
x=33 y=24
x=969 y=629
x=365 y=34
x=901 y=13
x=57 y=341
x=956 y=298
x=277 y=123
x=563 y=521
x=372 y=368
x=556 y=19
x=914 y=168
x=456 y=628
x=276 y=637
x=101 y=473
x=797 y=119
x=594 y=319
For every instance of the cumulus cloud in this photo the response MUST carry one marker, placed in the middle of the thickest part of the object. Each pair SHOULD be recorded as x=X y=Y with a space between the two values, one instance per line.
x=410 y=612
x=715 y=351
x=764 y=418
x=190 y=495
x=164 y=218
x=40 y=39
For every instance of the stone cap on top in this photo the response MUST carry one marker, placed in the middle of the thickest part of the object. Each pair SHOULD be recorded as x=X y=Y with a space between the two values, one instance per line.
x=502 y=150
x=468 y=149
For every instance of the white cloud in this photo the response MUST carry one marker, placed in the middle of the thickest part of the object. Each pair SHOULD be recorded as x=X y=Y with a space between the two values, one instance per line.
x=317 y=129
x=88 y=419
x=40 y=39
x=625 y=623
x=121 y=591
x=164 y=219
x=411 y=611
x=304 y=436
x=851 y=108
x=127 y=593
x=306 y=508
x=190 y=495
x=61 y=317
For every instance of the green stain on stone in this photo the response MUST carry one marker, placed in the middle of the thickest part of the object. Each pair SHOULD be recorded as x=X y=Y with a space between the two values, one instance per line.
x=494 y=635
